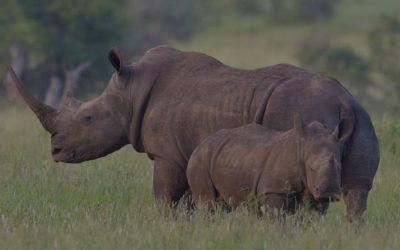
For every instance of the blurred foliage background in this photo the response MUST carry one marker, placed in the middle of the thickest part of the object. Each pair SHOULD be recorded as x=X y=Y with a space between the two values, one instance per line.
x=355 y=41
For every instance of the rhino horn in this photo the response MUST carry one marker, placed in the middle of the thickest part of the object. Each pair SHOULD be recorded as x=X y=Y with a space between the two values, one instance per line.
x=44 y=113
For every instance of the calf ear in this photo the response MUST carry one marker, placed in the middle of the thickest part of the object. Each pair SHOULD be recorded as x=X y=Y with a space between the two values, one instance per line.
x=299 y=125
x=118 y=61
x=344 y=129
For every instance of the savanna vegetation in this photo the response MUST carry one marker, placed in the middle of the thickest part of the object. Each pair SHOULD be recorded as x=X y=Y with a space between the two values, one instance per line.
x=108 y=203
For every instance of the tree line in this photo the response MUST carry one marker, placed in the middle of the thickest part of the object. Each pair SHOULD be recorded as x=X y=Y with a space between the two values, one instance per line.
x=54 y=43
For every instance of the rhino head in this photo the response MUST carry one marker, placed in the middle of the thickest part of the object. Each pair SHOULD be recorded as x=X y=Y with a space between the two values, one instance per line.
x=83 y=131
x=321 y=156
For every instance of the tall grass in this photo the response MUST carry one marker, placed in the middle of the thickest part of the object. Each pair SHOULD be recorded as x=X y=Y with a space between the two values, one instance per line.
x=108 y=203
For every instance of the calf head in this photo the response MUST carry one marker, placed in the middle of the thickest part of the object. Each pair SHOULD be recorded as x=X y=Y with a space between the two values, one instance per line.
x=82 y=131
x=321 y=155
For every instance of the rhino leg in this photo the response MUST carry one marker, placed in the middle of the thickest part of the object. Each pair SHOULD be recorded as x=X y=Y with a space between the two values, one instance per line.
x=204 y=194
x=318 y=207
x=274 y=204
x=205 y=200
x=169 y=183
x=356 y=202
x=359 y=165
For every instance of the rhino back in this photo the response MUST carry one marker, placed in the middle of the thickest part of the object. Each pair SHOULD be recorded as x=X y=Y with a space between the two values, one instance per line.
x=315 y=98
x=198 y=96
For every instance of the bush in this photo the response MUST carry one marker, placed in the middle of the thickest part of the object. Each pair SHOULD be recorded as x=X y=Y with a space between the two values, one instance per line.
x=310 y=10
x=272 y=10
x=343 y=63
x=301 y=10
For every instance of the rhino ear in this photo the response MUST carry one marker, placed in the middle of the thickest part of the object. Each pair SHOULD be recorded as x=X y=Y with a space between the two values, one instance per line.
x=118 y=61
x=299 y=125
x=335 y=133
x=343 y=130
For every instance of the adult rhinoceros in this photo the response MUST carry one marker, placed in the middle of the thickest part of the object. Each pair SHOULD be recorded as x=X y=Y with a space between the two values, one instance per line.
x=169 y=101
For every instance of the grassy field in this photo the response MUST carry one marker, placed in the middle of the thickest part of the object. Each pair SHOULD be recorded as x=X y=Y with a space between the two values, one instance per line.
x=108 y=203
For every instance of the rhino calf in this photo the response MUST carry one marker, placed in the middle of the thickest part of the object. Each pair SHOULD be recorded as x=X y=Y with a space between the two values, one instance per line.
x=275 y=168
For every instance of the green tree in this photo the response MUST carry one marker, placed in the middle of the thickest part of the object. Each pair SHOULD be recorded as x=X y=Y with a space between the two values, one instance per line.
x=62 y=34
x=156 y=21
x=59 y=34
x=384 y=42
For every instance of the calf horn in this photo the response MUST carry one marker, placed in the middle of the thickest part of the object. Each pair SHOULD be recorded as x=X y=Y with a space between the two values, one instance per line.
x=44 y=113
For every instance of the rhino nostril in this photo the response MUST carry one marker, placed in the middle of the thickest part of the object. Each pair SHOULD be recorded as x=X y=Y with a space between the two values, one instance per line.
x=55 y=150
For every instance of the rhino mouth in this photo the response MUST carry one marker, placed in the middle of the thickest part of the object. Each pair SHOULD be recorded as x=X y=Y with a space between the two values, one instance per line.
x=56 y=153
x=332 y=197
x=60 y=154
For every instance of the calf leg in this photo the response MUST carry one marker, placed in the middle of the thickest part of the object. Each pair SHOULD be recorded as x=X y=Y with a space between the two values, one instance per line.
x=203 y=191
x=205 y=200
x=169 y=183
x=274 y=204
x=313 y=206
x=318 y=207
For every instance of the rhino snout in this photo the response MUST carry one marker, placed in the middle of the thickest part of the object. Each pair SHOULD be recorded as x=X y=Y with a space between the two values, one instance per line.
x=55 y=153
x=331 y=194
x=55 y=150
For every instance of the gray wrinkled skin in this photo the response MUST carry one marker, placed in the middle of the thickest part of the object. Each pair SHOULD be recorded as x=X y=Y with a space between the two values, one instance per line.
x=166 y=103
x=272 y=168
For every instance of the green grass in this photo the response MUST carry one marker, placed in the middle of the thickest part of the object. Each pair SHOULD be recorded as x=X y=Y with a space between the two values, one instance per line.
x=108 y=203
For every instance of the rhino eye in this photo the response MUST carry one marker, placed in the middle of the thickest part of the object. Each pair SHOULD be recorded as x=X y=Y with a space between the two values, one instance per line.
x=88 y=118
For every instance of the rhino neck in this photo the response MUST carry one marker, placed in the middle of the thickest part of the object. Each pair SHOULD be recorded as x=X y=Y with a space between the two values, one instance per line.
x=284 y=176
x=290 y=159
x=142 y=85
x=299 y=153
x=148 y=71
